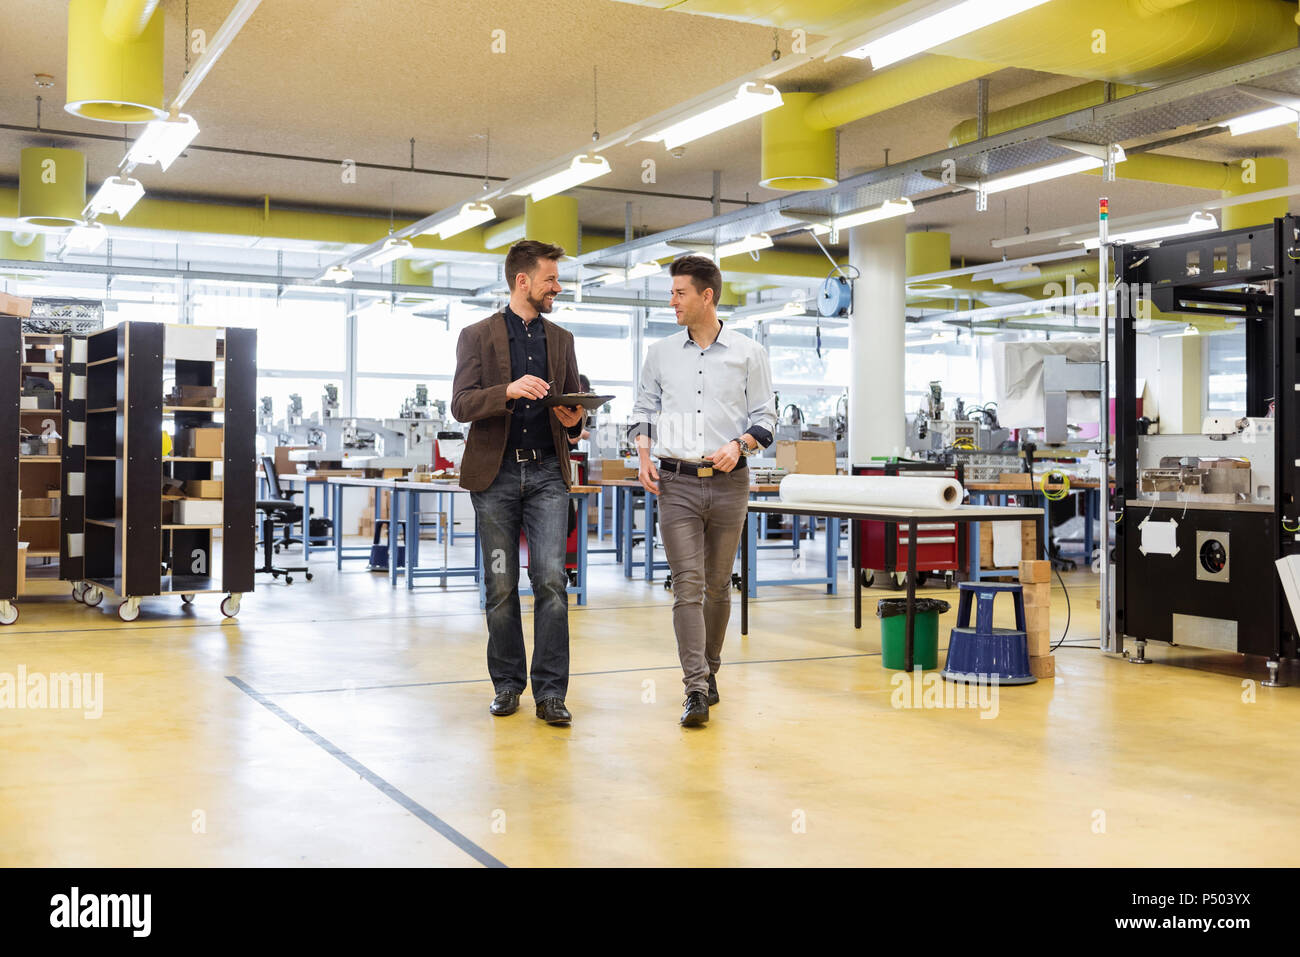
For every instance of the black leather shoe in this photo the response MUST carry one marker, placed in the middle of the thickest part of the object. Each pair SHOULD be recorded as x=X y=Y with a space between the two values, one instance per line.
x=713 y=690
x=697 y=710
x=507 y=702
x=553 y=711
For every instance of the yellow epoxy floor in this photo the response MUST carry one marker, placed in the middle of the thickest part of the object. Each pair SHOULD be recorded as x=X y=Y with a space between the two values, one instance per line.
x=806 y=762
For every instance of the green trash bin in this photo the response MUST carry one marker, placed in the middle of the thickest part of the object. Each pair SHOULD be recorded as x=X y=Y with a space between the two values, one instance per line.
x=892 y=613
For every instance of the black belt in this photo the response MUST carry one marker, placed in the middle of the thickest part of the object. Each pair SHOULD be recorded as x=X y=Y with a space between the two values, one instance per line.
x=697 y=469
x=532 y=455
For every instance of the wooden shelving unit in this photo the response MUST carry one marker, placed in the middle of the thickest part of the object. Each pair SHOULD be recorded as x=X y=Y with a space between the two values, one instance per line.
x=42 y=475
x=130 y=552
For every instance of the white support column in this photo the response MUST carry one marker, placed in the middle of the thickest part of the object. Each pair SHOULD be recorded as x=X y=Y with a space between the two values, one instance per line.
x=877 y=340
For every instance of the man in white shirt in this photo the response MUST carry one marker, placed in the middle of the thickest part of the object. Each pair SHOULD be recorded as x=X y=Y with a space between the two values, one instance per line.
x=705 y=403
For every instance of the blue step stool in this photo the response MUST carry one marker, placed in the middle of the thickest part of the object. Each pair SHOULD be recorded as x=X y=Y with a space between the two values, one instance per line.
x=982 y=652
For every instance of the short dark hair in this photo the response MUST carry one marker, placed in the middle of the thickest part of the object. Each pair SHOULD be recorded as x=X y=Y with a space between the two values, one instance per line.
x=526 y=254
x=704 y=273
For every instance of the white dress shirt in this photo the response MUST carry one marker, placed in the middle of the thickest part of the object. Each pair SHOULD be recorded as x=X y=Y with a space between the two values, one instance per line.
x=693 y=401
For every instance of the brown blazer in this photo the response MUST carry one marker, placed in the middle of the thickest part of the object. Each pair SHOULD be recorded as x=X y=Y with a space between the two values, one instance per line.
x=478 y=395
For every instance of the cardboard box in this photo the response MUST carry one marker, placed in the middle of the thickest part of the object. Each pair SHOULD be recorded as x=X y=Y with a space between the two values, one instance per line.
x=52 y=447
x=1016 y=479
x=202 y=443
x=1037 y=596
x=1040 y=642
x=394 y=473
x=197 y=343
x=15 y=306
x=1035 y=572
x=33 y=507
x=28 y=402
x=806 y=457
x=203 y=488
x=1042 y=666
x=613 y=470
x=193 y=511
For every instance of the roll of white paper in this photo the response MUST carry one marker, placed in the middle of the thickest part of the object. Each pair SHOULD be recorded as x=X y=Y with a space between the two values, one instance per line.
x=889 y=491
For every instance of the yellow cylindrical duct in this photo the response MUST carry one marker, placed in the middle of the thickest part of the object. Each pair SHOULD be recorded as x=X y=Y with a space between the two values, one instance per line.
x=926 y=253
x=1251 y=176
x=795 y=155
x=126 y=19
x=29 y=247
x=1081 y=270
x=729 y=295
x=1037 y=110
x=116 y=81
x=553 y=220
x=504 y=233
x=895 y=86
x=51 y=186
x=407 y=274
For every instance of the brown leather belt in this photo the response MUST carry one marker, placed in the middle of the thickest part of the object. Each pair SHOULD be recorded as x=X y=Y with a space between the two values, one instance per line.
x=692 y=468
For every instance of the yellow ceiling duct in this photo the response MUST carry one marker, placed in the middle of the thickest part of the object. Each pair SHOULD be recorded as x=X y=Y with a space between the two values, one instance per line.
x=553 y=220
x=794 y=154
x=895 y=86
x=117 y=78
x=29 y=247
x=504 y=233
x=51 y=186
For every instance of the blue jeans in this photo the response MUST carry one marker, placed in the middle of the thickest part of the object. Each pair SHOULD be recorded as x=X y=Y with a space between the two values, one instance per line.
x=532 y=497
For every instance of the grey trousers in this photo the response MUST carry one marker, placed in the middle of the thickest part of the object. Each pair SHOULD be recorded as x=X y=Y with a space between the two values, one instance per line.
x=700 y=520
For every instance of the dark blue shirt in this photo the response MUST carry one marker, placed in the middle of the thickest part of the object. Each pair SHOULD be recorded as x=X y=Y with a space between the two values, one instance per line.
x=530 y=424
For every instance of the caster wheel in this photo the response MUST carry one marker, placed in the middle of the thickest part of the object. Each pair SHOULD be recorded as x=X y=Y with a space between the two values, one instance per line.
x=128 y=611
x=230 y=606
x=92 y=597
x=78 y=592
x=573 y=579
x=868 y=577
x=921 y=578
x=186 y=599
x=949 y=579
x=309 y=578
x=899 y=579
x=277 y=549
x=668 y=583
x=9 y=615
x=736 y=582
x=288 y=579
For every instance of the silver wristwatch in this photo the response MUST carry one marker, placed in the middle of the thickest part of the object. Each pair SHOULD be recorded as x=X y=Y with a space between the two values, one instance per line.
x=745 y=450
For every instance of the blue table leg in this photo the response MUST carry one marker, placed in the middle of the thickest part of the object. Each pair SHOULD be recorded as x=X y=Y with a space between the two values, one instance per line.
x=832 y=555
x=412 y=536
x=394 y=516
x=336 y=493
x=306 y=521
x=625 y=493
x=751 y=545
x=582 y=549
x=649 y=538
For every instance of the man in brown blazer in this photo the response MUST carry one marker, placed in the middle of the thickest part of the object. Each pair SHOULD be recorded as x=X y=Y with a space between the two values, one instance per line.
x=516 y=465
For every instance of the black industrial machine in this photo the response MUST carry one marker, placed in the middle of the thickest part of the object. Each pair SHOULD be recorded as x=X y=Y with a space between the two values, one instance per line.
x=1201 y=518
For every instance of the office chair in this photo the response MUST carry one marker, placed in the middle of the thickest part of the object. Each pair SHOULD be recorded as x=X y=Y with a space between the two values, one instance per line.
x=285 y=512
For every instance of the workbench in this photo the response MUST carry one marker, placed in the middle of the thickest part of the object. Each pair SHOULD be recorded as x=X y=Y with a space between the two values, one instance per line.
x=874 y=513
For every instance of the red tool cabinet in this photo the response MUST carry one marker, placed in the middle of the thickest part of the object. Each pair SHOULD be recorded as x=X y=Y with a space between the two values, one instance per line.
x=941 y=546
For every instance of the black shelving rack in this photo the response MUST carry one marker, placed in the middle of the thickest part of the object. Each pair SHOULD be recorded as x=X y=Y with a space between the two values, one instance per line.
x=11 y=347
x=130 y=552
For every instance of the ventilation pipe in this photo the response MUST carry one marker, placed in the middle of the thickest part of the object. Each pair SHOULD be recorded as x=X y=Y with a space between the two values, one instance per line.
x=51 y=186
x=115 y=60
x=795 y=155
x=553 y=220
x=28 y=247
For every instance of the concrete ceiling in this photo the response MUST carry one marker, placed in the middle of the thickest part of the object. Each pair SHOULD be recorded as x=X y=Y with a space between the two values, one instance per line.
x=357 y=81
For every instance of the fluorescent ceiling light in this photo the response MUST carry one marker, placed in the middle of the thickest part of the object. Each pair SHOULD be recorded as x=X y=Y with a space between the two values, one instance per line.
x=1262 y=120
x=581 y=169
x=750 y=100
x=163 y=140
x=1197 y=223
x=85 y=239
x=933 y=26
x=392 y=249
x=1001 y=273
x=639 y=271
x=747 y=245
x=769 y=310
x=116 y=195
x=337 y=273
x=469 y=216
x=887 y=210
x=1076 y=164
